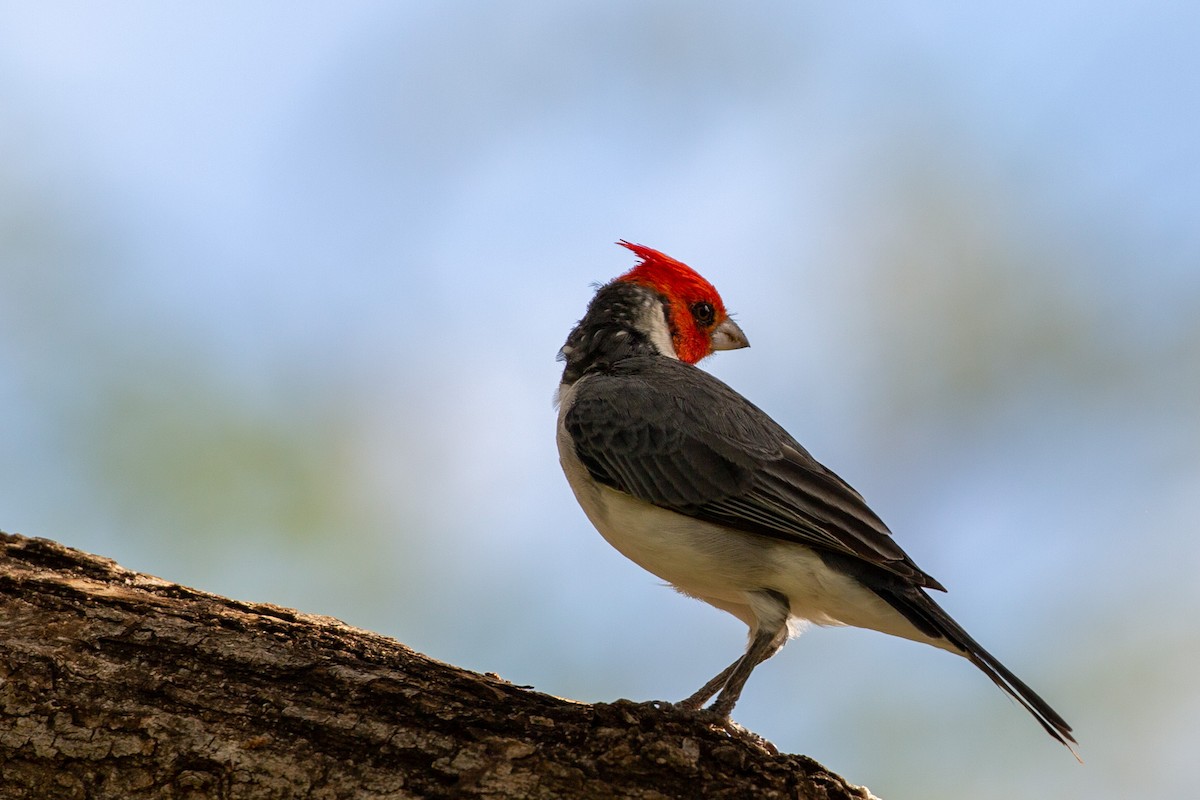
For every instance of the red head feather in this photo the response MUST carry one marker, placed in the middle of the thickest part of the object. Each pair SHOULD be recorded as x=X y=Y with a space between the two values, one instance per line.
x=684 y=288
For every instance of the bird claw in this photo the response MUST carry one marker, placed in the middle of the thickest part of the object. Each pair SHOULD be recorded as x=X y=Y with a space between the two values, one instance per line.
x=736 y=731
x=733 y=730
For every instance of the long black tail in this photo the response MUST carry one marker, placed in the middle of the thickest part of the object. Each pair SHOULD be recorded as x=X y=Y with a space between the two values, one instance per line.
x=922 y=611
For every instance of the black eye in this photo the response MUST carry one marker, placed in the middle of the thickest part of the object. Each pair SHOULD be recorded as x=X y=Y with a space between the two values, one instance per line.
x=704 y=313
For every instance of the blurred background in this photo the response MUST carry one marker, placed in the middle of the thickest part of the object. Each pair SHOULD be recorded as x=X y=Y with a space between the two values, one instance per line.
x=282 y=285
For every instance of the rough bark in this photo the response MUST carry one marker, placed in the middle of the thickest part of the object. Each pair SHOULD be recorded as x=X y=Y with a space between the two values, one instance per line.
x=115 y=684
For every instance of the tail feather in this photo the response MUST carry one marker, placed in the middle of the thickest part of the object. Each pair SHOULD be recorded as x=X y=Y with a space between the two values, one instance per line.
x=923 y=612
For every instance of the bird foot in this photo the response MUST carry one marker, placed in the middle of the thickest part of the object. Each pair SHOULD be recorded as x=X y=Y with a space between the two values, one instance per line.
x=733 y=730
x=736 y=731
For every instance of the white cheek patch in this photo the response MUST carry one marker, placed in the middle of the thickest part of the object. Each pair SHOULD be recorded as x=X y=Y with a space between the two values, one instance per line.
x=653 y=323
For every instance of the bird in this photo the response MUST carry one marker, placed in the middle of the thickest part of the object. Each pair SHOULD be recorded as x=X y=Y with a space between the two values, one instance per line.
x=694 y=483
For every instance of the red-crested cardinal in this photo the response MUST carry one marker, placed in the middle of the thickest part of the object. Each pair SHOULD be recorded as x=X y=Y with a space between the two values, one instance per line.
x=692 y=482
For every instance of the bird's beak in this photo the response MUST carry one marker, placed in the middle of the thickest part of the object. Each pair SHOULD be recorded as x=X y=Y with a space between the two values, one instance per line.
x=728 y=336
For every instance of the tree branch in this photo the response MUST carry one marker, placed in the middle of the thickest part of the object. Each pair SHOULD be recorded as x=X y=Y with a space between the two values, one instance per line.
x=115 y=684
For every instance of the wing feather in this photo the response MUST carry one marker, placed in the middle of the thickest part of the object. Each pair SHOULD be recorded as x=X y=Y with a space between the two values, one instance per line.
x=675 y=436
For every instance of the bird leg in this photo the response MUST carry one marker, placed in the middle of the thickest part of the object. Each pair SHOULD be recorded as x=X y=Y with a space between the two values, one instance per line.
x=765 y=641
x=697 y=700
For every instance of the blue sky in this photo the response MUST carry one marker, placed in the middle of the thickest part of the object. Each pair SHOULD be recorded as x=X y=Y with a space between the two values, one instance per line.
x=281 y=287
